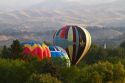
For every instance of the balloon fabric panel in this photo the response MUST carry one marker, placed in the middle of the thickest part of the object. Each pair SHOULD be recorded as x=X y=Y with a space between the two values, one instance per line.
x=76 y=42
x=60 y=53
x=37 y=50
x=74 y=45
x=56 y=51
x=82 y=43
x=62 y=32
x=87 y=44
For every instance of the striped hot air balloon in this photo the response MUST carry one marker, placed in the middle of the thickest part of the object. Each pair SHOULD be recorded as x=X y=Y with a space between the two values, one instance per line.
x=37 y=49
x=75 y=40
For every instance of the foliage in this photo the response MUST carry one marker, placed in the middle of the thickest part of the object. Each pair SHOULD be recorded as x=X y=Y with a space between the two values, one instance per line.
x=69 y=75
x=13 y=71
x=98 y=66
x=122 y=45
x=97 y=54
x=102 y=72
x=42 y=78
x=14 y=51
x=47 y=43
x=45 y=66
x=5 y=53
x=18 y=71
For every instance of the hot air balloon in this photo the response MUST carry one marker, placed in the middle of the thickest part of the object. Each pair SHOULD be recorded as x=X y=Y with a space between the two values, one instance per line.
x=58 y=52
x=75 y=40
x=36 y=49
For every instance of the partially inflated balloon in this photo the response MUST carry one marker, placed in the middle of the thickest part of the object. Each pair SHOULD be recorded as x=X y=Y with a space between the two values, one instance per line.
x=58 y=52
x=34 y=48
x=75 y=40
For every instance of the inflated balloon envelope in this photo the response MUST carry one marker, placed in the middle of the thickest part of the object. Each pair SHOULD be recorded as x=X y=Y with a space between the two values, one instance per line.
x=36 y=49
x=75 y=40
x=59 y=53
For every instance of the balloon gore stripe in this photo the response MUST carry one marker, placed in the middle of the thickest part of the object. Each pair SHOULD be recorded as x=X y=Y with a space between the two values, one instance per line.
x=75 y=40
x=36 y=50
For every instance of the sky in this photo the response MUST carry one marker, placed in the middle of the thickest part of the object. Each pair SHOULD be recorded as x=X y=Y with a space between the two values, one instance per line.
x=6 y=4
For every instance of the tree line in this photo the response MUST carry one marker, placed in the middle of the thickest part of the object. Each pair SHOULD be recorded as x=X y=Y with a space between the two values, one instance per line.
x=98 y=66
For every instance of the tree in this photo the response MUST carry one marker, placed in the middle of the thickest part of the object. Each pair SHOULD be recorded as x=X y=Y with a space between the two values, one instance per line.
x=119 y=52
x=47 y=43
x=42 y=78
x=14 y=71
x=96 y=54
x=95 y=77
x=46 y=66
x=16 y=49
x=122 y=45
x=70 y=75
x=5 y=52
x=119 y=73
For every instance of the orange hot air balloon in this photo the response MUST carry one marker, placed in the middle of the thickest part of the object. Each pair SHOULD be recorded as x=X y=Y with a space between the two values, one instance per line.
x=36 y=49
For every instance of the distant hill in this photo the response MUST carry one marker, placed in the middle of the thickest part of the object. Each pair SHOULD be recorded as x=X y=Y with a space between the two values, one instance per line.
x=47 y=15
x=110 y=36
x=104 y=33
x=99 y=36
x=32 y=22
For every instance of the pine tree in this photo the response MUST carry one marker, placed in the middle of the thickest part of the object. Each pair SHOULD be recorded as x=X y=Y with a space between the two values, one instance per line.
x=16 y=49
x=5 y=52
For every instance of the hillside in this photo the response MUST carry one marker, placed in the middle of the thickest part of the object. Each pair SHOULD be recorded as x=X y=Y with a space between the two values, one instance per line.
x=99 y=35
x=25 y=24
x=47 y=15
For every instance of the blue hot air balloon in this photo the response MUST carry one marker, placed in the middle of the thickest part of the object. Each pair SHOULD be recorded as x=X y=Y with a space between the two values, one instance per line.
x=58 y=52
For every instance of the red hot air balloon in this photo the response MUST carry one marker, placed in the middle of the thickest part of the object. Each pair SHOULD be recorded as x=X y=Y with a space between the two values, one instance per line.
x=36 y=49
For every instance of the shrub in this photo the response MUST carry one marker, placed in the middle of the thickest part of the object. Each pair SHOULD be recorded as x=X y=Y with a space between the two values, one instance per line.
x=45 y=66
x=42 y=78
x=14 y=71
x=13 y=52
x=70 y=75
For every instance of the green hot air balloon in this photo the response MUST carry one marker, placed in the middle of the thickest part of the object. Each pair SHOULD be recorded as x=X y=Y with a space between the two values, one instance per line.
x=75 y=40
